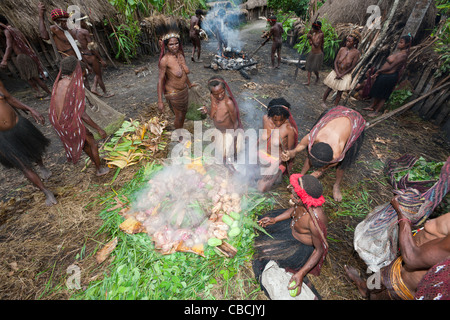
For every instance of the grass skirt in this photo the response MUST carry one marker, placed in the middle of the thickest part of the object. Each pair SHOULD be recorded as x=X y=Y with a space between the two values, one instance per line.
x=281 y=247
x=314 y=62
x=343 y=84
x=22 y=146
x=28 y=69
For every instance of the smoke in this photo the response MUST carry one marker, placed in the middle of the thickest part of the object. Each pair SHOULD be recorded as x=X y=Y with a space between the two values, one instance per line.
x=222 y=22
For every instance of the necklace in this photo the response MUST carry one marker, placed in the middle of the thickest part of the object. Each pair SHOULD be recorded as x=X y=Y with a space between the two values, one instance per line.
x=294 y=218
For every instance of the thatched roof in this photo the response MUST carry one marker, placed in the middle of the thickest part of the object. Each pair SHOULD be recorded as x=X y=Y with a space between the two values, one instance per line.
x=252 y=4
x=25 y=16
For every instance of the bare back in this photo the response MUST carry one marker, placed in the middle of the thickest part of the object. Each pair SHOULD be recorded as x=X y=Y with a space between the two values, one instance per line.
x=60 y=95
x=301 y=224
x=335 y=133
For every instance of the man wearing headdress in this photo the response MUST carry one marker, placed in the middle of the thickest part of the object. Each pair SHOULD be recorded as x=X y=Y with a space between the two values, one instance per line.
x=334 y=141
x=315 y=57
x=224 y=112
x=275 y=33
x=194 y=34
x=91 y=57
x=173 y=80
x=21 y=144
x=340 y=79
x=67 y=115
x=407 y=277
x=280 y=131
x=26 y=61
x=297 y=236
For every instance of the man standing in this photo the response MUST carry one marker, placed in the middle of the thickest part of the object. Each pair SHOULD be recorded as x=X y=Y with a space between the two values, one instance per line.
x=194 y=34
x=21 y=143
x=67 y=115
x=340 y=79
x=315 y=57
x=27 y=62
x=91 y=56
x=276 y=32
x=334 y=141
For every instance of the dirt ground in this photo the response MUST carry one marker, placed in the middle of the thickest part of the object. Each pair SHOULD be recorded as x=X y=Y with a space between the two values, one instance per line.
x=37 y=243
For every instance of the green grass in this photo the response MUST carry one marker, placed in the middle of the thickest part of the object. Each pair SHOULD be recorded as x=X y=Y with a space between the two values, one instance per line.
x=139 y=272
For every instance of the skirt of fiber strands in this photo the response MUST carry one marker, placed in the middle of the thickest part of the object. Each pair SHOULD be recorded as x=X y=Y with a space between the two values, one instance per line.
x=283 y=248
x=27 y=67
x=343 y=84
x=383 y=86
x=22 y=146
x=314 y=62
x=178 y=100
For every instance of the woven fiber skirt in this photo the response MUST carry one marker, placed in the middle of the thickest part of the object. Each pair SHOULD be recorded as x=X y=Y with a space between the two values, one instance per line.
x=383 y=86
x=28 y=69
x=314 y=62
x=22 y=146
x=178 y=100
x=343 y=84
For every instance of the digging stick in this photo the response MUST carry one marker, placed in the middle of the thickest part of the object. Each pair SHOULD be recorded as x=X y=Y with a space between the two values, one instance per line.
x=52 y=41
x=404 y=107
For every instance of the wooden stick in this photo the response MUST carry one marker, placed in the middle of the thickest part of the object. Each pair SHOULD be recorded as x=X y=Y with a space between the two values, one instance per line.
x=404 y=107
x=260 y=103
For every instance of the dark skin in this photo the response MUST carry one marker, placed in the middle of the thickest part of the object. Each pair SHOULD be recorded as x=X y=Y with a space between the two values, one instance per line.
x=316 y=40
x=346 y=60
x=223 y=111
x=276 y=31
x=335 y=133
x=194 y=34
x=62 y=44
x=8 y=119
x=419 y=255
x=90 y=145
x=11 y=46
x=393 y=64
x=174 y=70
x=305 y=231
x=286 y=141
x=92 y=58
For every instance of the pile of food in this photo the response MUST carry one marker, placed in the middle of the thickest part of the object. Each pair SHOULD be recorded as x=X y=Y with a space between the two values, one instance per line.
x=185 y=207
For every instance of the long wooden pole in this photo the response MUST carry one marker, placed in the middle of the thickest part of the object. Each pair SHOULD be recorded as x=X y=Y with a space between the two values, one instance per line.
x=404 y=107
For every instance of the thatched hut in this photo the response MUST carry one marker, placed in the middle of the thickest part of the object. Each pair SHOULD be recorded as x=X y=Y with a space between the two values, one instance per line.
x=25 y=16
x=256 y=9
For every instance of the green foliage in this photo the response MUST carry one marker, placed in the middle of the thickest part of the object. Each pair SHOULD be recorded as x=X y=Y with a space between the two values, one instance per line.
x=442 y=46
x=398 y=98
x=331 y=41
x=421 y=171
x=139 y=272
x=300 y=7
x=287 y=26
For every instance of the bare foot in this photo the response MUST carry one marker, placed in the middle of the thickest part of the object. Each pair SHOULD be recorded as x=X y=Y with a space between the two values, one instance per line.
x=50 y=198
x=373 y=114
x=353 y=274
x=337 y=193
x=324 y=104
x=317 y=174
x=368 y=109
x=45 y=173
x=102 y=171
x=96 y=93
x=107 y=95
x=306 y=83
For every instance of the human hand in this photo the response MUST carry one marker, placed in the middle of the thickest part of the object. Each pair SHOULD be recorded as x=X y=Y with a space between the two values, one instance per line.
x=298 y=278
x=160 y=106
x=287 y=155
x=39 y=118
x=203 y=110
x=4 y=65
x=102 y=133
x=266 y=221
x=41 y=8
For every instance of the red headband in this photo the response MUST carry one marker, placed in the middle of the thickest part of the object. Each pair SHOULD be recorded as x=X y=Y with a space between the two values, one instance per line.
x=304 y=196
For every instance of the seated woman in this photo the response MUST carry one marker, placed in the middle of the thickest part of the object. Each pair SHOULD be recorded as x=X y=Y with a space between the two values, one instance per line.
x=387 y=76
x=280 y=131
